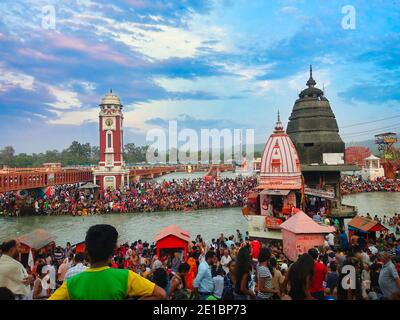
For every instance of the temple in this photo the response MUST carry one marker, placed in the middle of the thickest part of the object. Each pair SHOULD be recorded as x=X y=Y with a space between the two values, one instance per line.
x=279 y=190
x=314 y=131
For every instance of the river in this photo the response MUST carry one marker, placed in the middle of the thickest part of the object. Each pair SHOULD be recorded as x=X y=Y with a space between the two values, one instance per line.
x=208 y=223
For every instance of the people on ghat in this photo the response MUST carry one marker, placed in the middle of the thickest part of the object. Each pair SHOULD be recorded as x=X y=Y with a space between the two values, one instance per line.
x=150 y=196
x=100 y=282
x=134 y=270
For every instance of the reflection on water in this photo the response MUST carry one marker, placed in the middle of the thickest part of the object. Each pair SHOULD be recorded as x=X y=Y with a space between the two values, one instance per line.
x=380 y=203
x=209 y=223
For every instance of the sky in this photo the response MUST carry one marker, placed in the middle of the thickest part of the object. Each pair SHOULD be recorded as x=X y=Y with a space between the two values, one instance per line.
x=205 y=63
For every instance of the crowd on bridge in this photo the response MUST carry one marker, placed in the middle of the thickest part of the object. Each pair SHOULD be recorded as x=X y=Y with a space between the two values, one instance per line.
x=225 y=268
x=355 y=184
x=149 y=196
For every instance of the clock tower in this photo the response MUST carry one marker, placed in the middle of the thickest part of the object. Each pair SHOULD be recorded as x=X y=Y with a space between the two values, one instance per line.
x=111 y=172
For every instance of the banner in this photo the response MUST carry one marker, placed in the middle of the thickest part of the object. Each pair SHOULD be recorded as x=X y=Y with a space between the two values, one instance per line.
x=319 y=193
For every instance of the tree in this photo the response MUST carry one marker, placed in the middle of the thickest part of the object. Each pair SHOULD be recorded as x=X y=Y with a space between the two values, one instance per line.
x=7 y=155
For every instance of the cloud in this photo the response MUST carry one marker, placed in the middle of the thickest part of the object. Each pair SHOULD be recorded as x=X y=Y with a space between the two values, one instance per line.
x=289 y=10
x=65 y=99
x=11 y=79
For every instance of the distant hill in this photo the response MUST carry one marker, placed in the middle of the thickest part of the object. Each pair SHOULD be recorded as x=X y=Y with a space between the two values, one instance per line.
x=259 y=147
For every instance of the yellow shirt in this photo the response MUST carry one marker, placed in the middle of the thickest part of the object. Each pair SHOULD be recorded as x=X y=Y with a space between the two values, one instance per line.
x=137 y=286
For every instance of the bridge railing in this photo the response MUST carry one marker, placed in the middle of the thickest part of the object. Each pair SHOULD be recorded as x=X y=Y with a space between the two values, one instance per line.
x=20 y=180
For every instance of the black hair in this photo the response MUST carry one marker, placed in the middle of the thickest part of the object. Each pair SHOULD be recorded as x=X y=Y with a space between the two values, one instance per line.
x=333 y=266
x=299 y=273
x=183 y=267
x=6 y=294
x=242 y=265
x=8 y=245
x=79 y=257
x=265 y=255
x=313 y=253
x=220 y=271
x=160 y=277
x=39 y=268
x=101 y=241
x=209 y=254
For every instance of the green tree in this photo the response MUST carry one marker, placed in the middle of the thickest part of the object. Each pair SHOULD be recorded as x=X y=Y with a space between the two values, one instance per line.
x=7 y=156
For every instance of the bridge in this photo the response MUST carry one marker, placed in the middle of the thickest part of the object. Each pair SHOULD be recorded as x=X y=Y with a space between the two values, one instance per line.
x=15 y=179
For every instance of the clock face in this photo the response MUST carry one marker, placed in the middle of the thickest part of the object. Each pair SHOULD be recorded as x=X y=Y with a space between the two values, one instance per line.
x=109 y=122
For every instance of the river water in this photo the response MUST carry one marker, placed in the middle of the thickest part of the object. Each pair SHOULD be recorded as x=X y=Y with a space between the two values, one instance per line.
x=208 y=223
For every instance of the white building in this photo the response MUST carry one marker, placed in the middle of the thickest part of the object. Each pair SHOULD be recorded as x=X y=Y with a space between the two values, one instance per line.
x=372 y=169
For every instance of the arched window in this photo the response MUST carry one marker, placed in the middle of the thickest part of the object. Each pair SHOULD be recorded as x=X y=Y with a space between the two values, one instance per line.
x=109 y=139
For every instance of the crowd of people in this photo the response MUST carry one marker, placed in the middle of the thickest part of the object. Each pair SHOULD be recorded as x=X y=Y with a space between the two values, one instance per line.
x=175 y=195
x=355 y=184
x=226 y=268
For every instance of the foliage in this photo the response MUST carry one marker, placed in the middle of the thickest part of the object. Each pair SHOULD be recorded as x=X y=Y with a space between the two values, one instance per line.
x=75 y=154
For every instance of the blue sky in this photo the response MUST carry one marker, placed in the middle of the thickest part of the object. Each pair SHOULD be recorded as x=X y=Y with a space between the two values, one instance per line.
x=216 y=64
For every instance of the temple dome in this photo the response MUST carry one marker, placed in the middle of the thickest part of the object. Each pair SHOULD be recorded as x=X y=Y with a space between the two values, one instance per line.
x=280 y=165
x=313 y=127
x=110 y=99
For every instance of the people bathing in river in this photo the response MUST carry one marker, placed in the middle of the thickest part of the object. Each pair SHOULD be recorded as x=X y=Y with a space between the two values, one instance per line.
x=355 y=184
x=210 y=270
x=175 y=195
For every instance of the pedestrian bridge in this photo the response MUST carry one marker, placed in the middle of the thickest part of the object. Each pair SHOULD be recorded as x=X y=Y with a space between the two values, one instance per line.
x=15 y=179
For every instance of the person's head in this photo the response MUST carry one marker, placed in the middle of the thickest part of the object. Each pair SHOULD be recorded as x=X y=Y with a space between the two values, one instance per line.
x=333 y=266
x=10 y=248
x=265 y=255
x=226 y=253
x=39 y=270
x=301 y=274
x=177 y=255
x=6 y=294
x=242 y=262
x=210 y=257
x=220 y=271
x=160 y=277
x=101 y=243
x=68 y=244
x=183 y=269
x=232 y=266
x=313 y=252
x=79 y=258
x=384 y=257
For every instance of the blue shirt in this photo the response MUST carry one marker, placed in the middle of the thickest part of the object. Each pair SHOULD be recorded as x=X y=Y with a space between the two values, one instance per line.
x=229 y=243
x=203 y=280
x=387 y=279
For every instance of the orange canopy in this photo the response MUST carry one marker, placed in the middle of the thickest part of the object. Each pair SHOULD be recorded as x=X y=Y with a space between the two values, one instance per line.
x=365 y=224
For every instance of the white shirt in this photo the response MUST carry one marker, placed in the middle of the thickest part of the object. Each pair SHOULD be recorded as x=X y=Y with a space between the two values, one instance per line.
x=224 y=262
x=49 y=269
x=331 y=239
x=12 y=272
x=218 y=286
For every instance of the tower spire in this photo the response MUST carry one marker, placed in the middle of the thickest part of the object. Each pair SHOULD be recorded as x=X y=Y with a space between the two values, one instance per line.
x=279 y=125
x=311 y=82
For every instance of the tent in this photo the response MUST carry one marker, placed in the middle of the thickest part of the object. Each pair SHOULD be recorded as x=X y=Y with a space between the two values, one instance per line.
x=301 y=233
x=364 y=226
x=37 y=241
x=172 y=238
